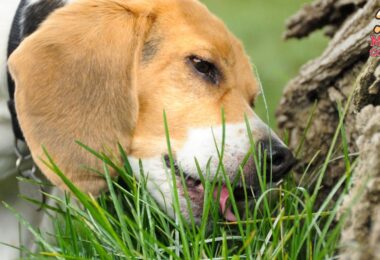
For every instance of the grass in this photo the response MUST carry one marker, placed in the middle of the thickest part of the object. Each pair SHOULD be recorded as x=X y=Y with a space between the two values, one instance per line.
x=284 y=222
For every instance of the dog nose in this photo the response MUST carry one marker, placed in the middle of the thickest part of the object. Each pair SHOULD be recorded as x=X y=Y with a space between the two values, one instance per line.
x=279 y=159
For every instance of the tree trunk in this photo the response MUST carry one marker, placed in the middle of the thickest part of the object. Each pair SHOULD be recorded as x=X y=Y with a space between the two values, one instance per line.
x=344 y=72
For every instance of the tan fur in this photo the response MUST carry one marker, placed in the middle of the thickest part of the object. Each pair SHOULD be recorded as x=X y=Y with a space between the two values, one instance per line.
x=81 y=76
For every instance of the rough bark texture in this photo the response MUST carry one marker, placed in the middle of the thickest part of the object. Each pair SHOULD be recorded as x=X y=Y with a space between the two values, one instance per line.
x=361 y=234
x=310 y=102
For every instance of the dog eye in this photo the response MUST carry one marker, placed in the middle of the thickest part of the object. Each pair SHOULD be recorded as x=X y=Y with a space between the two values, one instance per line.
x=206 y=69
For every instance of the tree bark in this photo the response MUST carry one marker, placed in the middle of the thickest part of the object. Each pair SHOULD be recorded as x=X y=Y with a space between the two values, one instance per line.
x=360 y=238
x=344 y=72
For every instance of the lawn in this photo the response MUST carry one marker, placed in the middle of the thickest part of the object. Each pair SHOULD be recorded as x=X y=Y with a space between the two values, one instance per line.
x=281 y=221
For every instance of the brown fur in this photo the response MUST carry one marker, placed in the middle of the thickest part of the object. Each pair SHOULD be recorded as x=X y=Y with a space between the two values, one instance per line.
x=83 y=76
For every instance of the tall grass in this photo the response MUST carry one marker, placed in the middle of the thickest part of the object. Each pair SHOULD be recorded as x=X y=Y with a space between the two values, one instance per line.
x=282 y=222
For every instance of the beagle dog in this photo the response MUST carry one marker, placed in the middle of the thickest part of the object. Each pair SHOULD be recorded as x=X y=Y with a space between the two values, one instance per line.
x=103 y=72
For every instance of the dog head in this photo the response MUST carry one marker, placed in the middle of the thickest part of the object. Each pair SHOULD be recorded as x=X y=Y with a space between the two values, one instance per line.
x=103 y=71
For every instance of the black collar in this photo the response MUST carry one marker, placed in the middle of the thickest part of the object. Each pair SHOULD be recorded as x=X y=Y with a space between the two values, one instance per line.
x=14 y=41
x=27 y=19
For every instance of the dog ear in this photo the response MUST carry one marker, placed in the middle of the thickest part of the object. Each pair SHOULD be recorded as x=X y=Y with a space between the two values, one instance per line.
x=75 y=81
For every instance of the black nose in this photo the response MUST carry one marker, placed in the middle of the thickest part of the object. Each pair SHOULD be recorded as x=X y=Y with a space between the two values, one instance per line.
x=279 y=159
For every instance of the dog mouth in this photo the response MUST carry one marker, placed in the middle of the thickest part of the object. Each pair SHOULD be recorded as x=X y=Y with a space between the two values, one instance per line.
x=195 y=191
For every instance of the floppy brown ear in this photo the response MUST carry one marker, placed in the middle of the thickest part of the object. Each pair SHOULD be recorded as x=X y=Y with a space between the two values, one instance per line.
x=75 y=81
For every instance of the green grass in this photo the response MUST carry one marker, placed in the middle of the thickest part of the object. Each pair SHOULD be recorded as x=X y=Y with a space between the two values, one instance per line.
x=284 y=222
x=260 y=25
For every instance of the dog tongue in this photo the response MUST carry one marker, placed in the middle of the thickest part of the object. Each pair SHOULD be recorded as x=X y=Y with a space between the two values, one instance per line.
x=226 y=211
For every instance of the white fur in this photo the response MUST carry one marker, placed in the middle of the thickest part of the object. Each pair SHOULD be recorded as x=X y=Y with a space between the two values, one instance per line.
x=158 y=181
x=201 y=144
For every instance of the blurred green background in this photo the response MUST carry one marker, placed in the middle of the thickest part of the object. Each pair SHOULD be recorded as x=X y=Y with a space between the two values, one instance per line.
x=260 y=25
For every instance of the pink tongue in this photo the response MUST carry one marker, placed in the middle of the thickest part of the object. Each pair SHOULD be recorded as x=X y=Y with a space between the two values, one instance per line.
x=226 y=211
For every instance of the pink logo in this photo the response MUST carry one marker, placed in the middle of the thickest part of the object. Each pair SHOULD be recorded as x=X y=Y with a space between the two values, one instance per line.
x=375 y=39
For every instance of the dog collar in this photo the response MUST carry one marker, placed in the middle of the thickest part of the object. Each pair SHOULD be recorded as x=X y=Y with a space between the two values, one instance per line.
x=14 y=41
x=24 y=163
x=26 y=21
